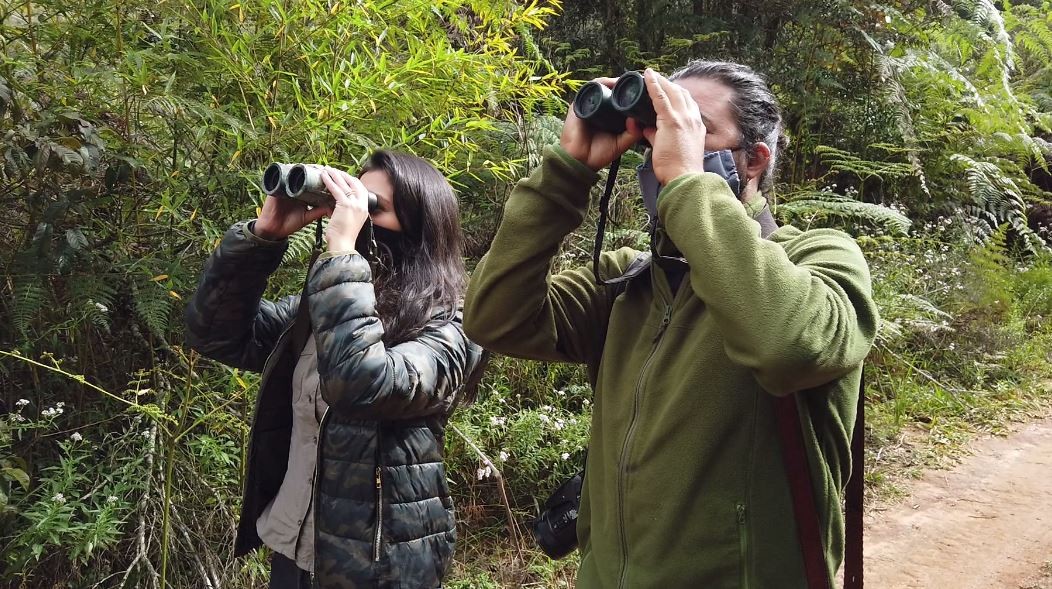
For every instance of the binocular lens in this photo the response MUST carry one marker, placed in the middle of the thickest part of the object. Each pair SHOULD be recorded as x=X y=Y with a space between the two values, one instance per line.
x=631 y=99
x=590 y=98
x=302 y=182
x=627 y=94
x=274 y=179
x=296 y=179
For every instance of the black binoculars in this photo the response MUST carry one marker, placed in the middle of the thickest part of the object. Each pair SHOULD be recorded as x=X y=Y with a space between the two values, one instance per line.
x=606 y=110
x=302 y=182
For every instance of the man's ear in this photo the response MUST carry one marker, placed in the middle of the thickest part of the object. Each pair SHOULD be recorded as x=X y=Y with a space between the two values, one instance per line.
x=757 y=159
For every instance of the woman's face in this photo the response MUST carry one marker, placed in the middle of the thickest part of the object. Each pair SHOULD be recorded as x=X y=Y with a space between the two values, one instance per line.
x=377 y=182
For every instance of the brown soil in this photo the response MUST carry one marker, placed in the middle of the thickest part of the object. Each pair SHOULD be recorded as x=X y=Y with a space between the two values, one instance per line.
x=986 y=523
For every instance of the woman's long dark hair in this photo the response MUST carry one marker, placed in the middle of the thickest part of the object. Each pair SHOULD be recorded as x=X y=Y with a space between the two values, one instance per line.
x=429 y=275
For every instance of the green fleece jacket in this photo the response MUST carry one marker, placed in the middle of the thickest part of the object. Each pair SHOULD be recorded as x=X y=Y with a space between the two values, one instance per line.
x=685 y=485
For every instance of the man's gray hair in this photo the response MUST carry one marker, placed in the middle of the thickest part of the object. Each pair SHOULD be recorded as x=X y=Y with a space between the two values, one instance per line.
x=757 y=110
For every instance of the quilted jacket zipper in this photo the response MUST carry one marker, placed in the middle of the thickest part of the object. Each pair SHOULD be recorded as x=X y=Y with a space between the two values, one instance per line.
x=623 y=460
x=314 y=494
x=379 y=498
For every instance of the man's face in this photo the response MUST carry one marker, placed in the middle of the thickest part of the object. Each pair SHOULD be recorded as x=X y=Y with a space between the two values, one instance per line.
x=714 y=100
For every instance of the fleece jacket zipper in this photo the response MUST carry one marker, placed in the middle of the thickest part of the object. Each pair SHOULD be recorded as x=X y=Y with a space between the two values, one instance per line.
x=622 y=474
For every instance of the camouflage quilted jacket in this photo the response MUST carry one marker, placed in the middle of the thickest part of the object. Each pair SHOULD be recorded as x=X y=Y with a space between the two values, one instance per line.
x=383 y=516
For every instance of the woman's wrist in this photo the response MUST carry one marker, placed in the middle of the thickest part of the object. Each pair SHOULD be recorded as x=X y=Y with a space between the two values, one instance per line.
x=263 y=230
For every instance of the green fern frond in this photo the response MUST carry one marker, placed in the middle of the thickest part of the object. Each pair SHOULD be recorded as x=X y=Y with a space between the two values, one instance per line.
x=153 y=306
x=811 y=203
x=30 y=296
x=301 y=243
x=997 y=200
x=95 y=297
x=843 y=161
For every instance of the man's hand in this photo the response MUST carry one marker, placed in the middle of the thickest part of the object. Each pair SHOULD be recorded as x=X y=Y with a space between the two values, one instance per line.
x=282 y=216
x=678 y=142
x=596 y=149
x=350 y=212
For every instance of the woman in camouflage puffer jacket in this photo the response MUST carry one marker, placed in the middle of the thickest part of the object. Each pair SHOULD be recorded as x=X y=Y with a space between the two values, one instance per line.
x=362 y=407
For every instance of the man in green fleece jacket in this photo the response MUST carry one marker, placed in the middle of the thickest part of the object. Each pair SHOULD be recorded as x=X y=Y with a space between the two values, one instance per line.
x=685 y=484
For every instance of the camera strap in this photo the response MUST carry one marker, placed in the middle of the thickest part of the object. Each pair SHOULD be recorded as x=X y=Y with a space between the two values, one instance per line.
x=600 y=230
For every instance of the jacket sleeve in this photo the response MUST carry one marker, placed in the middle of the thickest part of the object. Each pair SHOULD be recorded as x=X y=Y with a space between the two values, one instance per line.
x=797 y=309
x=514 y=305
x=362 y=377
x=227 y=319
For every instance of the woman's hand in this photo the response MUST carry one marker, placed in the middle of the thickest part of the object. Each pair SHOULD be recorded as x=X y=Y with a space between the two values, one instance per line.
x=281 y=217
x=350 y=212
x=678 y=141
x=597 y=149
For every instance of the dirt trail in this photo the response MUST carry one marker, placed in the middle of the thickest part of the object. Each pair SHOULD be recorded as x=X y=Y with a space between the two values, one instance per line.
x=987 y=523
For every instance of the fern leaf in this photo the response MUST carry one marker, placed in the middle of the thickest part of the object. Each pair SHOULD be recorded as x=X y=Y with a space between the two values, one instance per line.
x=153 y=306
x=29 y=297
x=816 y=203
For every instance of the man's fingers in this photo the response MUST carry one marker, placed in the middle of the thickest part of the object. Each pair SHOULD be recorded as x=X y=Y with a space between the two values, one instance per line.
x=658 y=96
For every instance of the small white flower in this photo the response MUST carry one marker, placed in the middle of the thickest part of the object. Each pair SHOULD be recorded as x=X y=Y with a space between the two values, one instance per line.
x=586 y=402
x=21 y=403
x=503 y=456
x=544 y=418
x=559 y=424
x=111 y=499
x=951 y=346
x=59 y=498
x=485 y=472
x=494 y=420
x=76 y=437
x=546 y=407
x=565 y=455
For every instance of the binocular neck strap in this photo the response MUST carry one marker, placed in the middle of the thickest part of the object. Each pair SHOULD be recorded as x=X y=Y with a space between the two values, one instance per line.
x=604 y=205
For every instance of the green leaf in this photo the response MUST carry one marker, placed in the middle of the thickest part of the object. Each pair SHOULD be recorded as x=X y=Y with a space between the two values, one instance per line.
x=18 y=475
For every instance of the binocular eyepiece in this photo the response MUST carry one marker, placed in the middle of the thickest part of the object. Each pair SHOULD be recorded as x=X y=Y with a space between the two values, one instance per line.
x=606 y=109
x=302 y=182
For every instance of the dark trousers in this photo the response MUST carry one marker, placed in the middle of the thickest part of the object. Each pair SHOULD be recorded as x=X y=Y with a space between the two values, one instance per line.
x=284 y=574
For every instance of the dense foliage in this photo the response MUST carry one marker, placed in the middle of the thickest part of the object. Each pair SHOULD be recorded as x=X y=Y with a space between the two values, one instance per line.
x=133 y=133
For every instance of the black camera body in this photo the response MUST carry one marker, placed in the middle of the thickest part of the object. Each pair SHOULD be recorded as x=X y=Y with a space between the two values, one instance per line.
x=606 y=109
x=555 y=529
x=302 y=182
